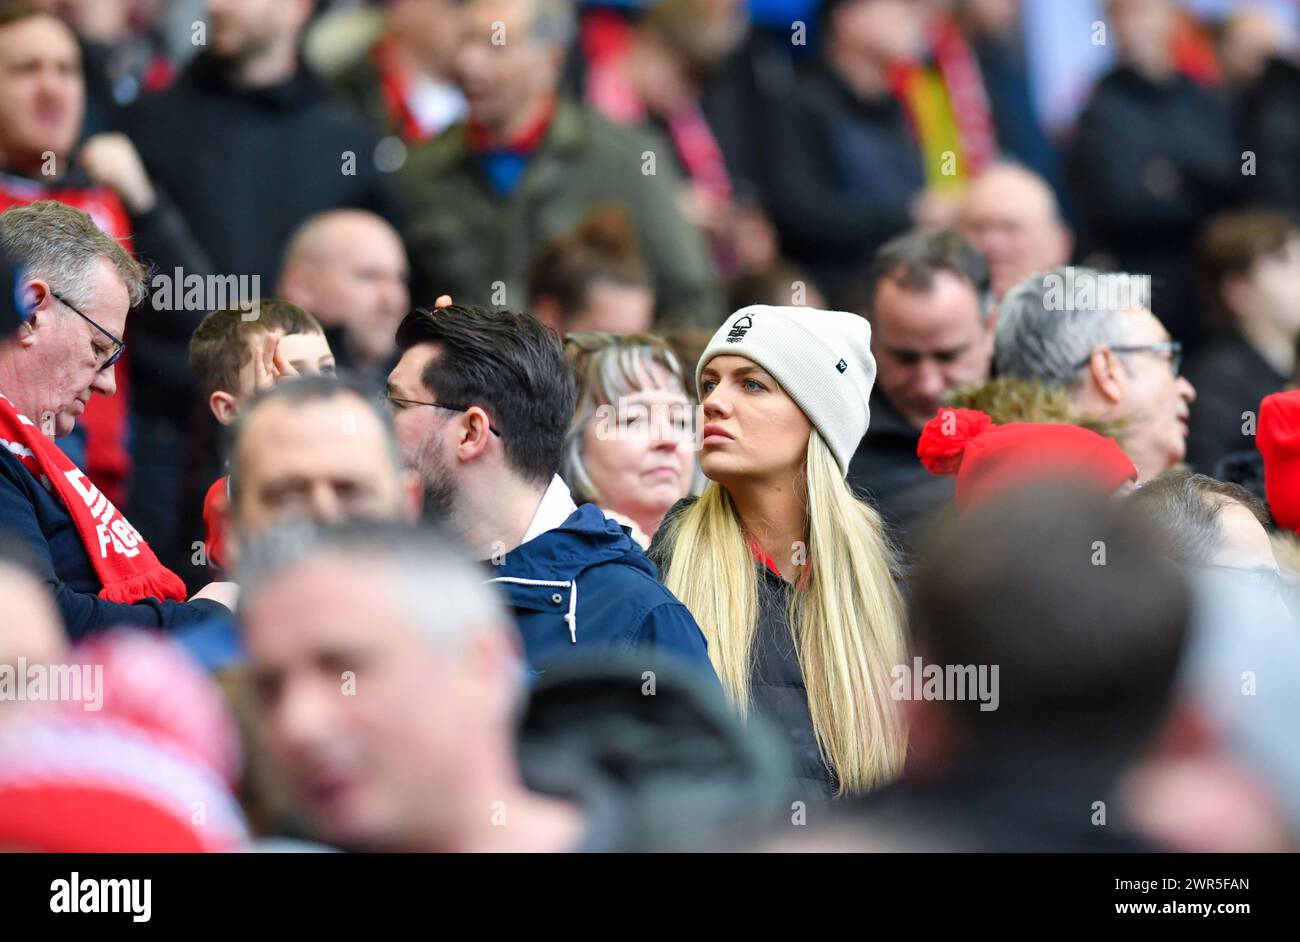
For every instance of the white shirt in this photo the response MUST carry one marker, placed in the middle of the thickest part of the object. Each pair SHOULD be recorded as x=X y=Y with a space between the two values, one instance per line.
x=556 y=506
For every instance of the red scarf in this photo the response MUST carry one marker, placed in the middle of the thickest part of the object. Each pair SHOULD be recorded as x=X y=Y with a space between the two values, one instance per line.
x=123 y=561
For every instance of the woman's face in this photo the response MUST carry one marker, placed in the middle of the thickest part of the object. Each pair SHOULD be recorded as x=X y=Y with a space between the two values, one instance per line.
x=640 y=461
x=752 y=429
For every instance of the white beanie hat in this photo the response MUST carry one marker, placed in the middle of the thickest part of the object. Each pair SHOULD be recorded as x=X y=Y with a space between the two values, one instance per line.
x=822 y=359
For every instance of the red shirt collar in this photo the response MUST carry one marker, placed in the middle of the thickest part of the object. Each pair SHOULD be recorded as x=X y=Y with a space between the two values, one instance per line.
x=760 y=555
x=480 y=138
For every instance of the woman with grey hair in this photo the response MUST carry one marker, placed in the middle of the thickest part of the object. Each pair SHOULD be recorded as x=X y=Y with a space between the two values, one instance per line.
x=629 y=446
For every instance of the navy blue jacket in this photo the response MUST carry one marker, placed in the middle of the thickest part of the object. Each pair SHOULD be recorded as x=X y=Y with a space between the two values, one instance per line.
x=35 y=517
x=586 y=585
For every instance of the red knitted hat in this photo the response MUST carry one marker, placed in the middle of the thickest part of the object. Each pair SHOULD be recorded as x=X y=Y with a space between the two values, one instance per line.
x=93 y=784
x=1278 y=440
x=146 y=766
x=988 y=459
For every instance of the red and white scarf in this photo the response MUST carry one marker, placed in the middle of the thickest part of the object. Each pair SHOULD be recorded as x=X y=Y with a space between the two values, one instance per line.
x=126 y=566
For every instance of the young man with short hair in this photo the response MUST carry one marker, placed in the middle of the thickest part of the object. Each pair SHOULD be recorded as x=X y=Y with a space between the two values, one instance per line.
x=234 y=356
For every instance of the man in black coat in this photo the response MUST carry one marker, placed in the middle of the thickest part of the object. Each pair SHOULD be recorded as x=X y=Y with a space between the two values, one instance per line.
x=841 y=164
x=927 y=298
x=249 y=146
x=1153 y=158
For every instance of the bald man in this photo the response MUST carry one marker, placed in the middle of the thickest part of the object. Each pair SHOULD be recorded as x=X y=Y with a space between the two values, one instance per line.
x=348 y=268
x=1012 y=217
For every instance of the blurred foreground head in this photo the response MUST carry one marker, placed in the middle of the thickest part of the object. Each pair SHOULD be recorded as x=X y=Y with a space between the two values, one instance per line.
x=394 y=698
x=388 y=676
x=1076 y=603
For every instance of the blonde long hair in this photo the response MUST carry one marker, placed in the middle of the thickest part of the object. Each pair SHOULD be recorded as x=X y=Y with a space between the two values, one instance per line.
x=846 y=615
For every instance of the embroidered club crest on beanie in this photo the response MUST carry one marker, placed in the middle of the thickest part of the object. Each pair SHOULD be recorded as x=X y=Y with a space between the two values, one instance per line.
x=822 y=359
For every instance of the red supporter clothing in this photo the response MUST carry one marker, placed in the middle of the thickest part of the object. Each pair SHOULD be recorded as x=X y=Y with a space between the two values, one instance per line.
x=216 y=514
x=108 y=460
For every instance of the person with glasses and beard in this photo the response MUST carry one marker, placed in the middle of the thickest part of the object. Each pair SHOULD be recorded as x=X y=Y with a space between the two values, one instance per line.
x=482 y=403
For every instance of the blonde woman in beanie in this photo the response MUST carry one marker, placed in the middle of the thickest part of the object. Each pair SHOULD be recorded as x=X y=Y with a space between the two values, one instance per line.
x=628 y=448
x=788 y=573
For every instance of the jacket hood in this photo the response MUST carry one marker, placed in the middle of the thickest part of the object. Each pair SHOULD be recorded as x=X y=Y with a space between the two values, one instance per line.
x=670 y=768
x=587 y=538
x=548 y=566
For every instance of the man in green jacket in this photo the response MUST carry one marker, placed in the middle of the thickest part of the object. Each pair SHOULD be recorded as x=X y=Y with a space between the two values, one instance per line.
x=527 y=165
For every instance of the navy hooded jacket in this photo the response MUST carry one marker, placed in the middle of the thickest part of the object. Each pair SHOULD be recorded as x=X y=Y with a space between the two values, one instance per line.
x=585 y=585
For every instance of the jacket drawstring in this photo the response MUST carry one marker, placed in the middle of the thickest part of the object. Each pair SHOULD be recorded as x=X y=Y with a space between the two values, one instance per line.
x=571 y=617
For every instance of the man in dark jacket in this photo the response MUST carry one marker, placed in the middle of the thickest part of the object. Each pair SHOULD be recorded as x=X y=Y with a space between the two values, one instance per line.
x=841 y=163
x=1153 y=157
x=1270 y=119
x=927 y=296
x=487 y=194
x=483 y=400
x=249 y=146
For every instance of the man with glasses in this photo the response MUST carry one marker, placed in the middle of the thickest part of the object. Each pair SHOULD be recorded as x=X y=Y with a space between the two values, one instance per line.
x=76 y=287
x=1099 y=340
x=482 y=400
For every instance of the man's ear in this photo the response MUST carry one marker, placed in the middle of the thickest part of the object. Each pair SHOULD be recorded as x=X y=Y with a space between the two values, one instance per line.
x=475 y=434
x=224 y=407
x=36 y=294
x=1108 y=374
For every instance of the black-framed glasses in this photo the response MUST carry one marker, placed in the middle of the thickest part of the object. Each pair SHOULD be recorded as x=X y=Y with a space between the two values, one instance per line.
x=1172 y=347
x=393 y=401
x=119 y=345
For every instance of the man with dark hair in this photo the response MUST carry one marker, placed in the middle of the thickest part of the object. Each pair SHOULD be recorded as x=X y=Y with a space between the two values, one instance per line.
x=482 y=400
x=927 y=300
x=1078 y=660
